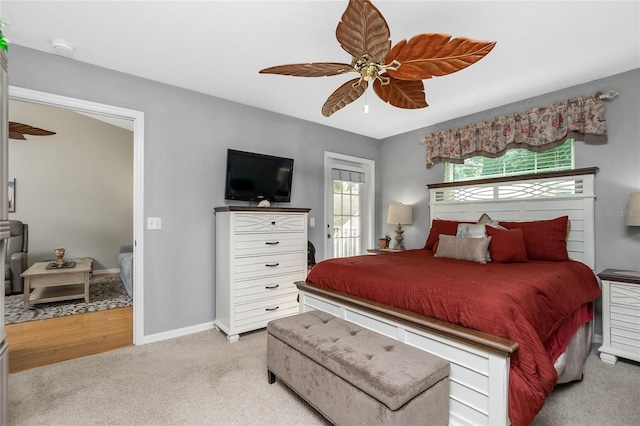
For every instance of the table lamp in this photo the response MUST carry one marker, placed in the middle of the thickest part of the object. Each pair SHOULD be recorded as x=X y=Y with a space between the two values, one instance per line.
x=633 y=210
x=633 y=219
x=400 y=214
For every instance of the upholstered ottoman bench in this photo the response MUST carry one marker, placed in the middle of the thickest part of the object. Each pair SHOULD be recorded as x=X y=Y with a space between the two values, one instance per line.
x=353 y=375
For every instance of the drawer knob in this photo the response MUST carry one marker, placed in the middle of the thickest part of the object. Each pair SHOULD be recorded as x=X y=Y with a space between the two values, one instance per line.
x=272 y=243
x=272 y=309
x=273 y=223
x=270 y=287
x=271 y=265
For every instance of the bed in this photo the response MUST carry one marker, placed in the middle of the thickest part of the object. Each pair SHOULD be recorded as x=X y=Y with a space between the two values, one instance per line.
x=525 y=326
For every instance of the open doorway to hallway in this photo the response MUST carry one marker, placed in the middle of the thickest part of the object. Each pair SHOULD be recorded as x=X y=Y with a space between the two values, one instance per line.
x=103 y=164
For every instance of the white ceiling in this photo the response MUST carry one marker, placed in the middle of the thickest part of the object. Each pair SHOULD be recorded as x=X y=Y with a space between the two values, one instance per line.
x=218 y=47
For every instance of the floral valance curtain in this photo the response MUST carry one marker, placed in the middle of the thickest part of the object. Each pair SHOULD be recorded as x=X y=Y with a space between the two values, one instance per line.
x=538 y=129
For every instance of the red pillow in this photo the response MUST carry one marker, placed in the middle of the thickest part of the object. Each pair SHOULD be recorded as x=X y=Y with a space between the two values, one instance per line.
x=545 y=239
x=440 y=226
x=507 y=245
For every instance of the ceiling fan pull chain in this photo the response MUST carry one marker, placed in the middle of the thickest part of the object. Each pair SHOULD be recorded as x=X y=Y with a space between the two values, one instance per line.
x=365 y=108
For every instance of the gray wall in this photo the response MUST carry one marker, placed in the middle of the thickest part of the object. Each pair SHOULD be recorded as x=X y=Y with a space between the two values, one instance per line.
x=405 y=176
x=74 y=188
x=186 y=138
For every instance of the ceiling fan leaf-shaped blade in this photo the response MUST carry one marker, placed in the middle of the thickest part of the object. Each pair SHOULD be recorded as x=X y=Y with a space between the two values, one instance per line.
x=362 y=30
x=408 y=94
x=18 y=130
x=434 y=55
x=313 y=69
x=419 y=46
x=343 y=96
x=17 y=135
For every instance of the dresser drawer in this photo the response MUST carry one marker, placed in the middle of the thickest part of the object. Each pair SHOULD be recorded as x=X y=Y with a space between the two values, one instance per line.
x=270 y=281
x=260 y=312
x=248 y=222
x=248 y=291
x=260 y=244
x=264 y=266
x=625 y=317
x=625 y=294
x=628 y=340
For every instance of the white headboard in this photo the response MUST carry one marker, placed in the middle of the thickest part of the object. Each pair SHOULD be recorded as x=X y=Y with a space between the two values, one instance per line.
x=524 y=198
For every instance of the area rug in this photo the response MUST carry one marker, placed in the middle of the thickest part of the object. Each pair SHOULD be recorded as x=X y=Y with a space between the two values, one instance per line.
x=104 y=293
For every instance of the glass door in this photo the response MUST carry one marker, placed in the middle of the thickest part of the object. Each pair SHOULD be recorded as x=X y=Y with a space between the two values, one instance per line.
x=349 y=205
x=346 y=218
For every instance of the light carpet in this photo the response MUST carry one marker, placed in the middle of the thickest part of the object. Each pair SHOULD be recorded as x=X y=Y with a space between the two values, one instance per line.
x=201 y=379
x=105 y=292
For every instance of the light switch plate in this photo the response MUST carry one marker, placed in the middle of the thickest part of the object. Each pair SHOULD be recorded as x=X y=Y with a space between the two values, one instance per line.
x=154 y=223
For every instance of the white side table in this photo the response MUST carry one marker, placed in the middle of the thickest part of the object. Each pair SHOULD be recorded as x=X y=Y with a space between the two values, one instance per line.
x=620 y=315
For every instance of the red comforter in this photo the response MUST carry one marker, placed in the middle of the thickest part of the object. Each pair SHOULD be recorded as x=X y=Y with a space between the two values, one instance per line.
x=523 y=302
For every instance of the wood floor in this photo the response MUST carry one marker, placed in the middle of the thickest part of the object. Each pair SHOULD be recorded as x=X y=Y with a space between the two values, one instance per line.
x=43 y=342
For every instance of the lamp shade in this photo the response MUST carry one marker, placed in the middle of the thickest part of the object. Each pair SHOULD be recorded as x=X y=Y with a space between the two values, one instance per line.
x=633 y=210
x=400 y=213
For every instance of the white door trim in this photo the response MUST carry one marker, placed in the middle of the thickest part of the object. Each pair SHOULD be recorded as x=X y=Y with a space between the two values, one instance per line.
x=28 y=95
x=334 y=158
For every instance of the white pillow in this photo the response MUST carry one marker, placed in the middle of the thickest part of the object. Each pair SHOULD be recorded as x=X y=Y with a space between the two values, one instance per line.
x=469 y=230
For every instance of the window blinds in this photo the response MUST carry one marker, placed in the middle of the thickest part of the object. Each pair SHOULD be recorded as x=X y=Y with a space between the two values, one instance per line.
x=347 y=176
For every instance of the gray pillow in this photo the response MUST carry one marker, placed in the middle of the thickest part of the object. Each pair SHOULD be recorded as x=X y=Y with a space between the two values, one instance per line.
x=471 y=249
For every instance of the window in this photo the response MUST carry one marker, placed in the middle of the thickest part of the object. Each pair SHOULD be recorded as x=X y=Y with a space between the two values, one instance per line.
x=513 y=162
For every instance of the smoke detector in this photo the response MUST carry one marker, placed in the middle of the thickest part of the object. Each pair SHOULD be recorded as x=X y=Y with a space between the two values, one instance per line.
x=62 y=47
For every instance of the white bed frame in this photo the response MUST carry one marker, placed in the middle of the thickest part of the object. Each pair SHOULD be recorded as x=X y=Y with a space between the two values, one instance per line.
x=479 y=362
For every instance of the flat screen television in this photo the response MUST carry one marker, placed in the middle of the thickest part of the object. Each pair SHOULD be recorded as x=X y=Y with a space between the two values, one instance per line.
x=257 y=177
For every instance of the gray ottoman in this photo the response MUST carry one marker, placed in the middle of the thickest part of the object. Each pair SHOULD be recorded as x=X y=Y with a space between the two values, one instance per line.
x=353 y=375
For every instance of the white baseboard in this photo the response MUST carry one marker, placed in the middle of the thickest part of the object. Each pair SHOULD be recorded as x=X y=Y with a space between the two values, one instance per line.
x=158 y=337
x=106 y=271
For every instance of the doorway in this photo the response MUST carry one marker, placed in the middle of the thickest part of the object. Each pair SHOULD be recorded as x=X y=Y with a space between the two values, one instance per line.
x=349 y=205
x=108 y=112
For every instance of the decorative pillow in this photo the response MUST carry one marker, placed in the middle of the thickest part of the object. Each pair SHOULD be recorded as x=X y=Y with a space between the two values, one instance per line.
x=470 y=230
x=484 y=219
x=440 y=226
x=544 y=239
x=471 y=249
x=507 y=245
x=477 y=230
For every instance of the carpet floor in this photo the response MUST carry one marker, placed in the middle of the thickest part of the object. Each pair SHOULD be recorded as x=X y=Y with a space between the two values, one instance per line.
x=104 y=293
x=200 y=379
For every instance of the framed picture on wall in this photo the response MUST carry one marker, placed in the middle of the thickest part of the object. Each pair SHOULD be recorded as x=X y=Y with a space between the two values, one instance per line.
x=12 y=195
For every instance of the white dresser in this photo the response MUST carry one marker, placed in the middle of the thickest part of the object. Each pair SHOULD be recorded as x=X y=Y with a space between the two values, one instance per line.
x=260 y=253
x=620 y=315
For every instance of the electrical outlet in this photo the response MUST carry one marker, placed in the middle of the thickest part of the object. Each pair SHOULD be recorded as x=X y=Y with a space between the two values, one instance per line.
x=312 y=222
x=154 y=223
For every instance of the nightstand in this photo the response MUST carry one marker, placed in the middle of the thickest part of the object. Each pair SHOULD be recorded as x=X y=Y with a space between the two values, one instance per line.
x=620 y=315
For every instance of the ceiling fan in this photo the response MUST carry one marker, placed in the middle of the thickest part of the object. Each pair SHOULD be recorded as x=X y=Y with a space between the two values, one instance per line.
x=397 y=72
x=18 y=130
